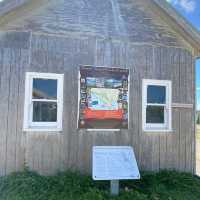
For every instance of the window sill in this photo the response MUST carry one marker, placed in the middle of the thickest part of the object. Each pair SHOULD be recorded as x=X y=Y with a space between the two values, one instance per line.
x=103 y=130
x=42 y=129
x=158 y=131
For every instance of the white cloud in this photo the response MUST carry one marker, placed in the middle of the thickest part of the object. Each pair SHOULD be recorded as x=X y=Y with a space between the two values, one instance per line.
x=198 y=88
x=187 y=5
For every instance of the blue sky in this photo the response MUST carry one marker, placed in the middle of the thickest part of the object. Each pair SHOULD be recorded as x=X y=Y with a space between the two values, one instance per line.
x=190 y=9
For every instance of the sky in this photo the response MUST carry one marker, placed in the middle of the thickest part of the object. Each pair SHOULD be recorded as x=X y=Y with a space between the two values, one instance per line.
x=190 y=9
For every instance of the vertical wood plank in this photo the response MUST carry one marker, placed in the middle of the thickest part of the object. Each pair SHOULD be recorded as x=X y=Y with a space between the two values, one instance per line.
x=4 y=96
x=21 y=136
x=12 y=111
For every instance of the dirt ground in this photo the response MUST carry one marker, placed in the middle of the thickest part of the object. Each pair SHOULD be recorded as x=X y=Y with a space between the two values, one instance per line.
x=198 y=151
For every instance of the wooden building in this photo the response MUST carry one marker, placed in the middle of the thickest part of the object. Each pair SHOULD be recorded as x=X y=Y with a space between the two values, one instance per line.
x=63 y=61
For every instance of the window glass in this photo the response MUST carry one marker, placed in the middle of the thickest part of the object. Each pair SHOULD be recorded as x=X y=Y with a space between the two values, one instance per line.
x=156 y=94
x=44 y=111
x=43 y=102
x=156 y=105
x=44 y=89
x=155 y=114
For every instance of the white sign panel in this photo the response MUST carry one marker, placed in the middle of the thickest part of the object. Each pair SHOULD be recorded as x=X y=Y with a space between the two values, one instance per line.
x=114 y=163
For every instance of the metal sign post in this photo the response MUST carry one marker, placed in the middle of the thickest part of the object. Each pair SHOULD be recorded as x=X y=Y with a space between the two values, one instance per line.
x=114 y=187
x=114 y=163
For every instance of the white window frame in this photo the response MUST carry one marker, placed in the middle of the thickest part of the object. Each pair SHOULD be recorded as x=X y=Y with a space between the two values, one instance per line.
x=29 y=125
x=159 y=127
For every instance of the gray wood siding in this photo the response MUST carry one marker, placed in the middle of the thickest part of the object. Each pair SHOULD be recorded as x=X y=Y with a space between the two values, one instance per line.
x=134 y=21
x=49 y=152
x=8 y=5
x=14 y=60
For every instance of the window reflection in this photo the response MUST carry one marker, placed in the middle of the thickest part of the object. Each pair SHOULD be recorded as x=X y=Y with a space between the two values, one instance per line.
x=44 y=112
x=156 y=94
x=155 y=114
x=44 y=89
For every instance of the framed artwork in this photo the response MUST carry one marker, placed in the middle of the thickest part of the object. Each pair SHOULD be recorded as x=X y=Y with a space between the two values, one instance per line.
x=103 y=102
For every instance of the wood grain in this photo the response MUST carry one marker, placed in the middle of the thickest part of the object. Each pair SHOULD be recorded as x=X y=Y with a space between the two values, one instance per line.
x=58 y=40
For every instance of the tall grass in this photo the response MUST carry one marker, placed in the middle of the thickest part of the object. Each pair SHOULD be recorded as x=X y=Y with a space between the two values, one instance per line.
x=73 y=186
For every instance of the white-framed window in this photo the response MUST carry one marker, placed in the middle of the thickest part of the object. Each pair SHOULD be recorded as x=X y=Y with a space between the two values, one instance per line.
x=43 y=105
x=156 y=105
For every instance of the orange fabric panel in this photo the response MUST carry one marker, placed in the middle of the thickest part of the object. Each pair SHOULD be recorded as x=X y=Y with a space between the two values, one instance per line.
x=103 y=114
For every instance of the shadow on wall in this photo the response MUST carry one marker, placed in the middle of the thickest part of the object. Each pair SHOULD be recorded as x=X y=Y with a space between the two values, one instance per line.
x=198 y=116
x=198 y=87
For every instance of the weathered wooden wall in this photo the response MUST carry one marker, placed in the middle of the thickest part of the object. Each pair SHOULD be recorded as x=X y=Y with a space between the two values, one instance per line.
x=8 y=5
x=147 y=48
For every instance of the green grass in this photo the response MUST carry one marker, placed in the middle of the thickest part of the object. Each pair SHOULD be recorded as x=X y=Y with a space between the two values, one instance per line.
x=73 y=186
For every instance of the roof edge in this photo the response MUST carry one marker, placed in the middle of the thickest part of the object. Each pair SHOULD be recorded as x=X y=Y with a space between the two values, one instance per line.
x=185 y=28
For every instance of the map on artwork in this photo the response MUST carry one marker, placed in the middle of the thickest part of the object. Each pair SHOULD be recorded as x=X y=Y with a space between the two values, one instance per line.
x=104 y=99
